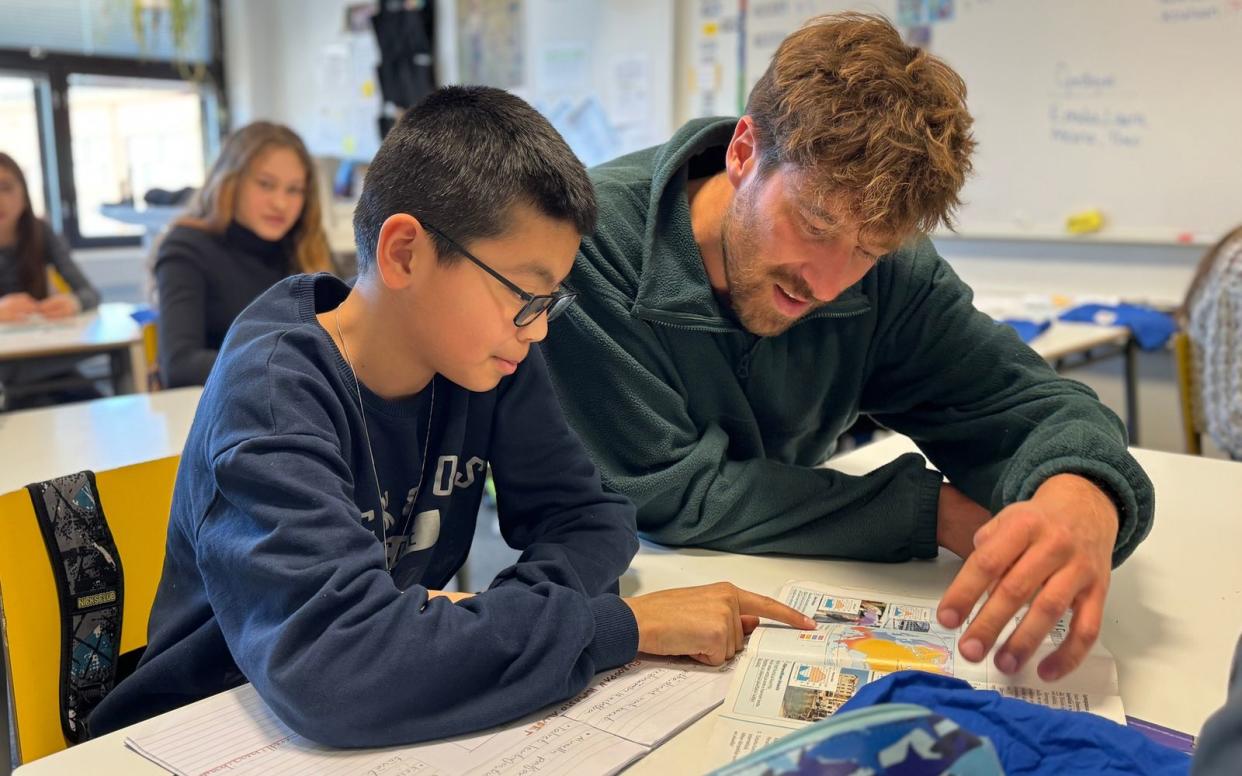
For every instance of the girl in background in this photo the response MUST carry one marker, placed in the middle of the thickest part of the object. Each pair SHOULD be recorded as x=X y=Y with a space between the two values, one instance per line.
x=28 y=249
x=1212 y=314
x=255 y=221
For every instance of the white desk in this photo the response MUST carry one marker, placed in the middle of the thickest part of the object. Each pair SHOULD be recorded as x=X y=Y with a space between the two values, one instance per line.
x=1065 y=339
x=108 y=329
x=1172 y=619
x=97 y=435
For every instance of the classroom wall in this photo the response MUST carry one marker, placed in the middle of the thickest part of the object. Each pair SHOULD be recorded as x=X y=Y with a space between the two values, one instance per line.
x=1155 y=273
x=273 y=75
x=251 y=52
x=293 y=62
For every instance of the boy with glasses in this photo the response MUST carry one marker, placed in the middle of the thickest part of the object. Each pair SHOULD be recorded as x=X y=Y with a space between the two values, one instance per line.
x=331 y=479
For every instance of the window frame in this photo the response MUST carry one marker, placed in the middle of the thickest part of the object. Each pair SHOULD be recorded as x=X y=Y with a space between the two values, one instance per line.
x=55 y=135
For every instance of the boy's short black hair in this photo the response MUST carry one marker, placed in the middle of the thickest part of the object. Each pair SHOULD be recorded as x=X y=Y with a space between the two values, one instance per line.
x=460 y=160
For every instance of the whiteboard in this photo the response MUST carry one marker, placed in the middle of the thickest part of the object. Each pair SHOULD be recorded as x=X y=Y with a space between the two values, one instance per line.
x=1129 y=107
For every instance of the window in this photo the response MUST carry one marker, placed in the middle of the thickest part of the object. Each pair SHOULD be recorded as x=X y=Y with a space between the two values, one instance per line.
x=130 y=136
x=106 y=28
x=20 y=97
x=99 y=112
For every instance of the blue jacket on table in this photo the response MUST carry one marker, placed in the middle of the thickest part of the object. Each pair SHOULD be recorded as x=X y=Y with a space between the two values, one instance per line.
x=276 y=573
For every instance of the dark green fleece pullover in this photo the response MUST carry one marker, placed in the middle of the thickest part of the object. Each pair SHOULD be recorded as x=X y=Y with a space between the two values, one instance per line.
x=716 y=434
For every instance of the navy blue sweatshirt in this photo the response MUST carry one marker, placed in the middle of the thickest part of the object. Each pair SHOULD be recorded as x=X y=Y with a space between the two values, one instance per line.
x=274 y=571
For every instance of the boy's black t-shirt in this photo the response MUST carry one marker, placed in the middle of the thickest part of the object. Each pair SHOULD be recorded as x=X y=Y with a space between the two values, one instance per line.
x=274 y=572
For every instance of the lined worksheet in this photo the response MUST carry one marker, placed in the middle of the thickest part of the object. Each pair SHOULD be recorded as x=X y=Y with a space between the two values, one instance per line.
x=615 y=721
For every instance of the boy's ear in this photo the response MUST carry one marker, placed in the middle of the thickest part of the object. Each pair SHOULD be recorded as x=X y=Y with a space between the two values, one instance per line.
x=404 y=247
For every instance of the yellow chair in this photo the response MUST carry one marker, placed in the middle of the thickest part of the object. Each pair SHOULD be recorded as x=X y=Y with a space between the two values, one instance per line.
x=151 y=354
x=136 y=501
x=1188 y=393
x=56 y=282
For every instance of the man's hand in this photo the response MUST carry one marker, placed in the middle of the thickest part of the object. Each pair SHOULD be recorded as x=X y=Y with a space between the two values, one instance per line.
x=17 y=307
x=60 y=306
x=708 y=623
x=1054 y=551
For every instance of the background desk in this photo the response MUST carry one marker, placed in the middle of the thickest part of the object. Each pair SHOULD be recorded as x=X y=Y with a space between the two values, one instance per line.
x=98 y=435
x=1172 y=618
x=108 y=329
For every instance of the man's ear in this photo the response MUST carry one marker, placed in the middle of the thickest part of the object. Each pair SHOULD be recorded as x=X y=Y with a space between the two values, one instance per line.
x=742 y=155
x=403 y=250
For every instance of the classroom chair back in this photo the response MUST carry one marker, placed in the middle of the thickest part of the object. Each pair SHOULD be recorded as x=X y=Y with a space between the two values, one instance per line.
x=135 y=502
x=148 y=320
x=1188 y=393
x=56 y=282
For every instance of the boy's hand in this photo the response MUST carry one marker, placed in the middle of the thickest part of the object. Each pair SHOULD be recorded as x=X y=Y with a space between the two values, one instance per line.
x=449 y=594
x=1054 y=551
x=60 y=306
x=17 y=307
x=708 y=623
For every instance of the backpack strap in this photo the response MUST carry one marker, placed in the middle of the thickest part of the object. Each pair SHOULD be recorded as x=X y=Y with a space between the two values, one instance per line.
x=90 y=586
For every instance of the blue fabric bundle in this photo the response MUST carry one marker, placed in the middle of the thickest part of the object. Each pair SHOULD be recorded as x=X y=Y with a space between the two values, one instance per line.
x=1151 y=328
x=1030 y=739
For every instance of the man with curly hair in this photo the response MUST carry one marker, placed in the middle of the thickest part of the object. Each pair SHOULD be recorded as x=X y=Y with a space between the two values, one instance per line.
x=757 y=284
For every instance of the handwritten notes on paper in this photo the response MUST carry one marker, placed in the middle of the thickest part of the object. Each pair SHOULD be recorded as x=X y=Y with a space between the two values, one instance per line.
x=616 y=720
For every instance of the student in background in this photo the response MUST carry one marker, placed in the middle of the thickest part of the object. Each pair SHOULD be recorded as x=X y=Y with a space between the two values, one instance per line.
x=255 y=221
x=332 y=477
x=29 y=250
x=1212 y=314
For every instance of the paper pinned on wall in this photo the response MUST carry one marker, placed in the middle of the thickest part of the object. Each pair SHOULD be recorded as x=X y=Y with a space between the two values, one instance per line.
x=631 y=89
x=708 y=76
x=587 y=130
x=491 y=47
x=330 y=120
x=565 y=68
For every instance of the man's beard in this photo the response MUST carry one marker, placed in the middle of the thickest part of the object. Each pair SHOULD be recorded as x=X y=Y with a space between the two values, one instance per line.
x=749 y=287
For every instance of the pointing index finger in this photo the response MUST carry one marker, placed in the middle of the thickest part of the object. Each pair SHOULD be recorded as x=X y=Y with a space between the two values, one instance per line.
x=763 y=606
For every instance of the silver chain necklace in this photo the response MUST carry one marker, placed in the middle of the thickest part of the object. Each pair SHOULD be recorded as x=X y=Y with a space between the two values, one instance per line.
x=366 y=434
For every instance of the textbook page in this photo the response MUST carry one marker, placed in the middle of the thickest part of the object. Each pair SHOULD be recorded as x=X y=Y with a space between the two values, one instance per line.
x=616 y=720
x=787 y=678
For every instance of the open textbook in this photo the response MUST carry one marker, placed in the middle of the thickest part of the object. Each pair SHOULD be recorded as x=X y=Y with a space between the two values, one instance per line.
x=788 y=678
x=620 y=717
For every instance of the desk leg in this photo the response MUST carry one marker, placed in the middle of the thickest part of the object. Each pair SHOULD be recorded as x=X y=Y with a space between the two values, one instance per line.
x=138 y=368
x=1132 y=406
x=128 y=370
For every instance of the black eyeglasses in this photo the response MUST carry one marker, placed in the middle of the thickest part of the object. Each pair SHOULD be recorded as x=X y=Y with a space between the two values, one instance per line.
x=553 y=304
